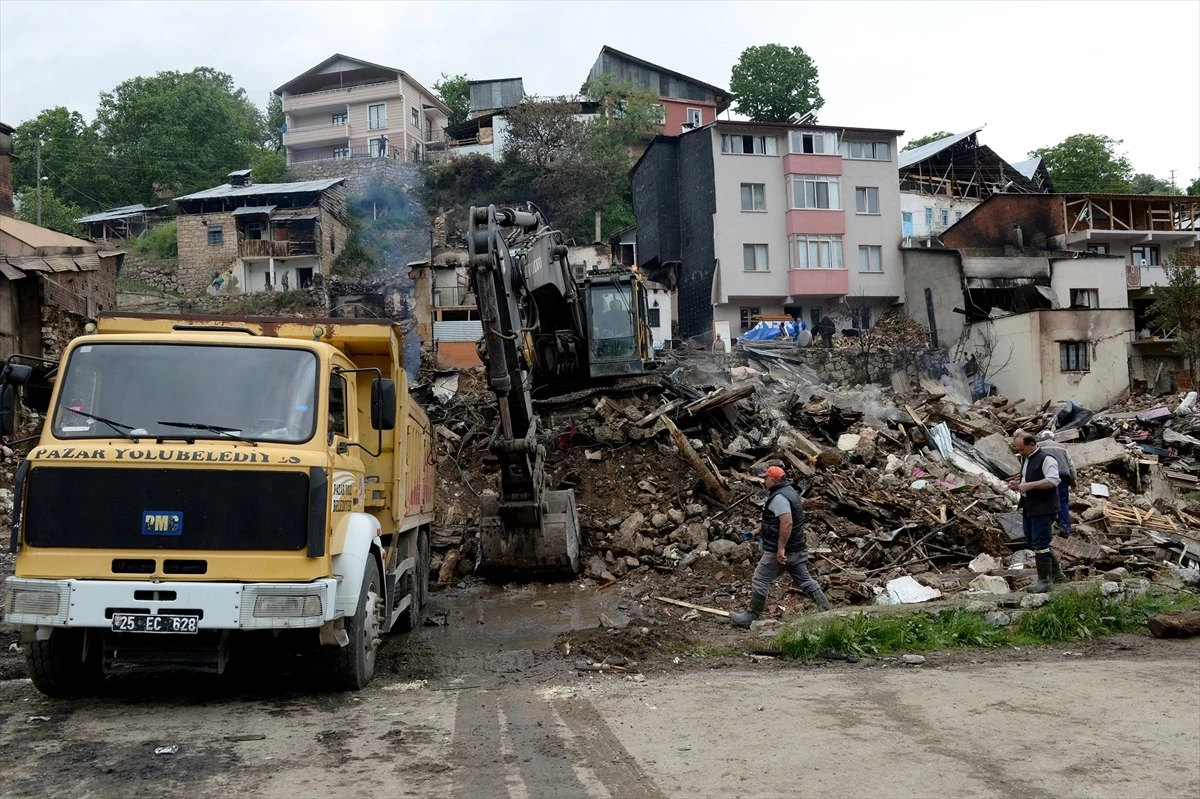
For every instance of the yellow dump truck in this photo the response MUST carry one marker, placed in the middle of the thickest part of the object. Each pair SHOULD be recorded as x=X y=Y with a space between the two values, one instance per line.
x=200 y=482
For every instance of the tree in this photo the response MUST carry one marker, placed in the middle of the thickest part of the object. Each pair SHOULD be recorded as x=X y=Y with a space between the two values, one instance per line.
x=75 y=162
x=56 y=214
x=1086 y=162
x=455 y=91
x=276 y=119
x=1194 y=189
x=923 y=140
x=771 y=82
x=1174 y=308
x=1145 y=183
x=179 y=131
x=630 y=113
x=269 y=166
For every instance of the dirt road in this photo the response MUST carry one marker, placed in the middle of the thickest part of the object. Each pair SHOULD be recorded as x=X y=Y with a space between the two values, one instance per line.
x=493 y=720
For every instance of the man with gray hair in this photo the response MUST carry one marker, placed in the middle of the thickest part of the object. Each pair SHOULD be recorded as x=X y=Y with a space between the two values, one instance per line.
x=1038 y=483
x=1066 y=471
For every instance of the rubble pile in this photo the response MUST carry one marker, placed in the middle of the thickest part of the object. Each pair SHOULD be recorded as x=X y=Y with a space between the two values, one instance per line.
x=901 y=489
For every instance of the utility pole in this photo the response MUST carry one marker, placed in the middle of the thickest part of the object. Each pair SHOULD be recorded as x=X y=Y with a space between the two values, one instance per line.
x=1172 y=182
x=39 y=181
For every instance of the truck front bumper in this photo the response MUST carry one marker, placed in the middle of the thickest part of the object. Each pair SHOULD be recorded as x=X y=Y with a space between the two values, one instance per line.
x=219 y=606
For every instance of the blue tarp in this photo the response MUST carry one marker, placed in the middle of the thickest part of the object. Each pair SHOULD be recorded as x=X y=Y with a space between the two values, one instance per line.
x=769 y=331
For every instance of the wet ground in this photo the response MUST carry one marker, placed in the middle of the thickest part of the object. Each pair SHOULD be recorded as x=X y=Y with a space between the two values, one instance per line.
x=489 y=704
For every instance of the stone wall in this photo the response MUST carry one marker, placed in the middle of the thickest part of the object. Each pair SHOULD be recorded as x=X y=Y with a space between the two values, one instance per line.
x=200 y=262
x=161 y=274
x=844 y=366
x=359 y=173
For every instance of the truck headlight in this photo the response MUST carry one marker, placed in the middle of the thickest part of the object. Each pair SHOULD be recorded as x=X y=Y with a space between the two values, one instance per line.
x=31 y=602
x=287 y=606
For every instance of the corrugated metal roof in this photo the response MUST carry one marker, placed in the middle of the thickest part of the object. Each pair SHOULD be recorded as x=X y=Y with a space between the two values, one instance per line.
x=87 y=263
x=237 y=173
x=1028 y=168
x=120 y=213
x=251 y=210
x=10 y=272
x=262 y=189
x=294 y=217
x=61 y=263
x=909 y=157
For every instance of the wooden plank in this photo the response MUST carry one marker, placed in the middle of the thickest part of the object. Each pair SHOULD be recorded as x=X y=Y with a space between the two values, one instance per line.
x=649 y=418
x=711 y=480
x=701 y=608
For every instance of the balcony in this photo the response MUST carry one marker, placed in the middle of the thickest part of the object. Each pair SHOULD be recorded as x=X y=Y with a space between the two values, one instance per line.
x=453 y=297
x=343 y=153
x=337 y=98
x=317 y=134
x=818 y=282
x=265 y=248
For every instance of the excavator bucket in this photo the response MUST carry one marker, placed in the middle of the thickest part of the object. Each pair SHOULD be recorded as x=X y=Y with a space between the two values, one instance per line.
x=550 y=549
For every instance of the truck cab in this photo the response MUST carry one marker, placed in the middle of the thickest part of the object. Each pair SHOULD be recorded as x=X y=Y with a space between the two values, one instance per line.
x=200 y=480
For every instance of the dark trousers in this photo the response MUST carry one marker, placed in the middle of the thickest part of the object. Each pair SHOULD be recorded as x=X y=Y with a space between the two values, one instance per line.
x=768 y=569
x=827 y=339
x=1038 y=531
x=1064 y=509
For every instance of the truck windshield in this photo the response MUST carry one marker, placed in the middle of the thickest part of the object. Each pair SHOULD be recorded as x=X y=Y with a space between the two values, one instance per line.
x=259 y=393
x=612 y=325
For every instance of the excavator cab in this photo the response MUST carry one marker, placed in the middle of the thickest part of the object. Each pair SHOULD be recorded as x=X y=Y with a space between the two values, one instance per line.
x=618 y=339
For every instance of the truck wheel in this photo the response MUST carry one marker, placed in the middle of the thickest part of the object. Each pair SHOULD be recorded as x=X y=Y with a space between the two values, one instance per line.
x=416 y=585
x=57 y=666
x=352 y=666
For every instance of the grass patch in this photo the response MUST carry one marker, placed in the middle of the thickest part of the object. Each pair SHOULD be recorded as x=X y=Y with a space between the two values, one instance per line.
x=1068 y=615
x=160 y=241
x=134 y=285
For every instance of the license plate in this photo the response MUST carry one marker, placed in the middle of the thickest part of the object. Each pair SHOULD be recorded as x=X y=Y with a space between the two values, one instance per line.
x=147 y=623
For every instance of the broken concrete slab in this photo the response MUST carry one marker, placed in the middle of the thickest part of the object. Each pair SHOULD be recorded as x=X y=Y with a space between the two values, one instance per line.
x=1100 y=452
x=998 y=449
x=987 y=584
x=906 y=591
x=983 y=564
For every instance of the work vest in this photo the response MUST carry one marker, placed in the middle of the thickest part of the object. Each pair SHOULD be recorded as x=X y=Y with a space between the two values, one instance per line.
x=770 y=522
x=1041 y=501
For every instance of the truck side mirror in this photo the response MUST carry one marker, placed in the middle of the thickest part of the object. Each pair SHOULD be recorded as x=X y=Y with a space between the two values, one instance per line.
x=383 y=404
x=16 y=374
x=8 y=409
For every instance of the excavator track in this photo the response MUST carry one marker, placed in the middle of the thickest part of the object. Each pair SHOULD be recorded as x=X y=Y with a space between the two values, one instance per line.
x=631 y=386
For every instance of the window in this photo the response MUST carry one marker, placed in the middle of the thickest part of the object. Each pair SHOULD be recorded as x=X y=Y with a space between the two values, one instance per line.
x=813 y=143
x=1085 y=298
x=754 y=197
x=375 y=147
x=747 y=314
x=1074 y=356
x=255 y=231
x=906 y=223
x=749 y=145
x=754 y=257
x=658 y=113
x=337 y=407
x=817 y=252
x=654 y=317
x=815 y=191
x=815 y=315
x=860 y=318
x=339 y=118
x=1098 y=249
x=416 y=116
x=869 y=150
x=928 y=216
x=340 y=153
x=945 y=217
x=866 y=200
x=870 y=259
x=1144 y=254
x=694 y=117
x=216 y=235
x=377 y=116
x=957 y=215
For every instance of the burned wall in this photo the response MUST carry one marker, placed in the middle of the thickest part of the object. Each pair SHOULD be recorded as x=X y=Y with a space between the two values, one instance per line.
x=655 y=187
x=1039 y=216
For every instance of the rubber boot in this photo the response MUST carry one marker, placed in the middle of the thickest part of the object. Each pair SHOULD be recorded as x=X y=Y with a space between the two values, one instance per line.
x=744 y=620
x=818 y=596
x=1045 y=566
x=1057 y=575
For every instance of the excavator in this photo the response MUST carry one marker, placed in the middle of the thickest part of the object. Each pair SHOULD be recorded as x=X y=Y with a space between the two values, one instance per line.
x=546 y=326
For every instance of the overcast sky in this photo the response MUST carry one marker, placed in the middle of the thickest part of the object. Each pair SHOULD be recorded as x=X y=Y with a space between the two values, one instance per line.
x=1032 y=72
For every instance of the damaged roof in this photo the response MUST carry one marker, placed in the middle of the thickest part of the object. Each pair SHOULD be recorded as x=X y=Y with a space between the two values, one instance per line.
x=122 y=212
x=910 y=157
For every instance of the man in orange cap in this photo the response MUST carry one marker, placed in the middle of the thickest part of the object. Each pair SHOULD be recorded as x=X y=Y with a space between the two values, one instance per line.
x=781 y=533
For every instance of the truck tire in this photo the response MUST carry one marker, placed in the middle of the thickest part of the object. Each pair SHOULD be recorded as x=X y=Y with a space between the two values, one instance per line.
x=57 y=666
x=351 y=667
x=416 y=585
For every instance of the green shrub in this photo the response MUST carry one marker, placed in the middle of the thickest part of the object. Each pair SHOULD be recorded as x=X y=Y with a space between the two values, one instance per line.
x=158 y=242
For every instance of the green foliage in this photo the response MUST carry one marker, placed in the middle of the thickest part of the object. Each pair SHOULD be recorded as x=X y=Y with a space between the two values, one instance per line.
x=455 y=91
x=1068 y=615
x=1193 y=190
x=269 y=166
x=159 y=242
x=920 y=141
x=275 y=122
x=387 y=231
x=1174 y=308
x=1086 y=162
x=56 y=214
x=771 y=82
x=178 y=131
x=630 y=114
x=1145 y=183
x=76 y=164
